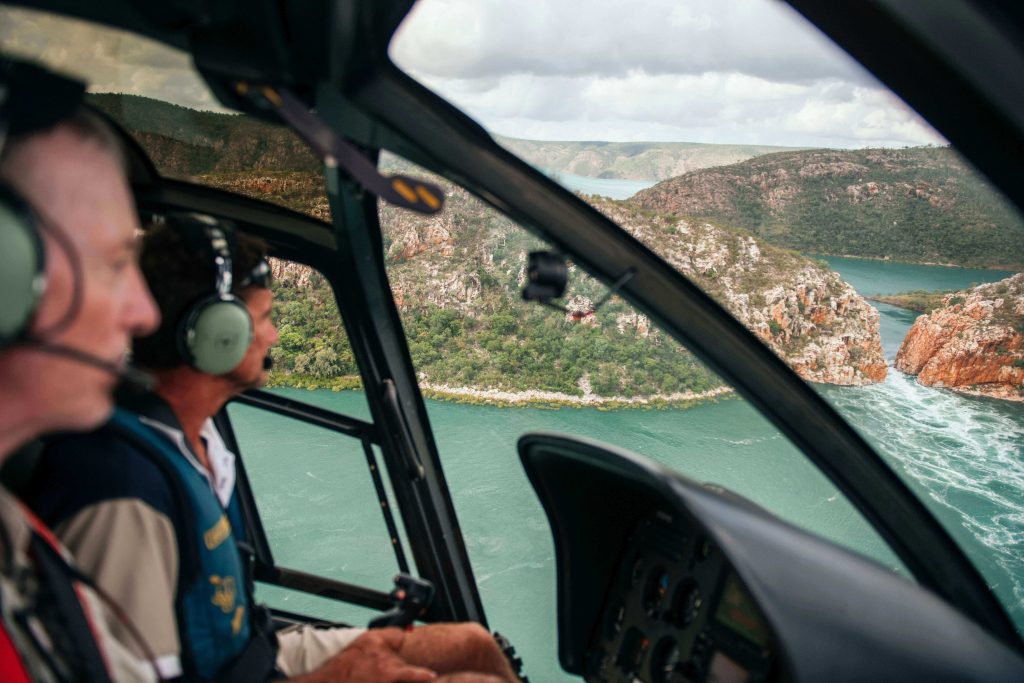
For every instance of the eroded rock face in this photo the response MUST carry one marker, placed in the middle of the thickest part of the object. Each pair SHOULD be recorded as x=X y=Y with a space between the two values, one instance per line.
x=973 y=344
x=293 y=274
x=806 y=313
x=811 y=318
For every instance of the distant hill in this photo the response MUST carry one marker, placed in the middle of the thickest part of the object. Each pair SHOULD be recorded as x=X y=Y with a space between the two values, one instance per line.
x=187 y=142
x=190 y=141
x=921 y=205
x=631 y=160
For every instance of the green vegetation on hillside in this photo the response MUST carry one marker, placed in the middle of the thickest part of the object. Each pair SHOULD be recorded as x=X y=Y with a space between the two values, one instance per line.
x=922 y=205
x=457 y=276
x=313 y=350
x=185 y=142
x=499 y=341
x=917 y=300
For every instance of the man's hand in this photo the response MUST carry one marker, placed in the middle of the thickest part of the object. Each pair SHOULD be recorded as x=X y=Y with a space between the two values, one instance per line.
x=371 y=658
x=464 y=648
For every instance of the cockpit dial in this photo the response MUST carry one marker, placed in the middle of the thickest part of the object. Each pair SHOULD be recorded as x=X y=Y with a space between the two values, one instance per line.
x=665 y=660
x=680 y=610
x=655 y=594
x=687 y=603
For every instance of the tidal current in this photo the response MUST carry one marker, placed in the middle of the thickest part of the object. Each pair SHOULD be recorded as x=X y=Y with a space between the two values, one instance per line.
x=961 y=455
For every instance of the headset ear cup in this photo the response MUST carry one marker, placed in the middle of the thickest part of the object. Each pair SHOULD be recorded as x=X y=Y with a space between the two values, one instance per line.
x=217 y=334
x=22 y=266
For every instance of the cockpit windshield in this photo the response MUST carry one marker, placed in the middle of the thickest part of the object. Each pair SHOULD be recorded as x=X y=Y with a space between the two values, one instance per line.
x=155 y=93
x=766 y=165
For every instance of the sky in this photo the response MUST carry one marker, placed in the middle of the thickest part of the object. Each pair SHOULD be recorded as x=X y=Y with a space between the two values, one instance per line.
x=712 y=71
x=716 y=71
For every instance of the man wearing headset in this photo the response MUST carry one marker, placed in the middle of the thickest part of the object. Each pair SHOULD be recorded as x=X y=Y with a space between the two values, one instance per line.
x=71 y=298
x=174 y=565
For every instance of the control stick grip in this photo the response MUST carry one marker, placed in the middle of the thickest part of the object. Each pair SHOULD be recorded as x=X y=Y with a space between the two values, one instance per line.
x=410 y=598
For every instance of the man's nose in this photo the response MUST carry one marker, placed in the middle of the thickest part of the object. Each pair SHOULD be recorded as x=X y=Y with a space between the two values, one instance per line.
x=143 y=316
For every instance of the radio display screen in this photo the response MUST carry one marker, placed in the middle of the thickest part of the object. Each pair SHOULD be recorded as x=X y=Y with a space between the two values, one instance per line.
x=737 y=612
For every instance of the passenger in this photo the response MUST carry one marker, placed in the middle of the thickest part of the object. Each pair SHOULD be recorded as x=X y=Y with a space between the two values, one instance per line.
x=72 y=298
x=173 y=565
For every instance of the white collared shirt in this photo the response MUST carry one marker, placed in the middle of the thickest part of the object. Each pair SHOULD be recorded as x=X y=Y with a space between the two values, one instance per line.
x=221 y=474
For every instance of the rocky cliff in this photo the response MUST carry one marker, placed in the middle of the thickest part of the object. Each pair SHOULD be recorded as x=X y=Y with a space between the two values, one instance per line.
x=469 y=261
x=974 y=343
x=810 y=317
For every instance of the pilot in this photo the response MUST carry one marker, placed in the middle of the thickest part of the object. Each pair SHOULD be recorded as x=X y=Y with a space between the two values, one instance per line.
x=71 y=298
x=159 y=524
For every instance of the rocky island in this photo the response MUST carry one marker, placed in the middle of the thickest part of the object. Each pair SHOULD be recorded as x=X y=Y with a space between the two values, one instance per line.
x=471 y=260
x=973 y=343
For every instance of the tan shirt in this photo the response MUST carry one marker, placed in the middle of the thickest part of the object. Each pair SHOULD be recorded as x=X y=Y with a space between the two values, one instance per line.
x=130 y=549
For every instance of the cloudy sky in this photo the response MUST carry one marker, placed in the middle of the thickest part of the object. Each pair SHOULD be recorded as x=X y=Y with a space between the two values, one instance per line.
x=718 y=71
x=107 y=59
x=723 y=71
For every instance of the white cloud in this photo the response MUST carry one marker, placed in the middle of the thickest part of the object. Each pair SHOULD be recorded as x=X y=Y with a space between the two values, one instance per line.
x=737 y=71
x=475 y=38
x=726 y=71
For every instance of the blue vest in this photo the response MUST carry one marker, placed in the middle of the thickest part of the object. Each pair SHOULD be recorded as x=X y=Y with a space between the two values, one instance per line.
x=212 y=600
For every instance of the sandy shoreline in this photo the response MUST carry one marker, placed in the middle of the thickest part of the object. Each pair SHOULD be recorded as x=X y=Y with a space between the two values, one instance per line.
x=536 y=397
x=499 y=397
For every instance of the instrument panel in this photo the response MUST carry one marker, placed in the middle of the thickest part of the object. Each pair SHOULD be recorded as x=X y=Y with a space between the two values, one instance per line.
x=675 y=612
x=661 y=578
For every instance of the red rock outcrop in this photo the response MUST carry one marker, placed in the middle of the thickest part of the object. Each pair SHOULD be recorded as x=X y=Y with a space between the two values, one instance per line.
x=973 y=344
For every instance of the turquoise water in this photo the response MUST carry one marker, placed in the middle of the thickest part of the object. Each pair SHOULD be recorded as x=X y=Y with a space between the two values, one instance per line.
x=871 y=277
x=961 y=455
x=615 y=188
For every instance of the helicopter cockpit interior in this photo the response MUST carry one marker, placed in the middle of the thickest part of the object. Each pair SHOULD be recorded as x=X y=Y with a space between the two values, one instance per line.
x=658 y=576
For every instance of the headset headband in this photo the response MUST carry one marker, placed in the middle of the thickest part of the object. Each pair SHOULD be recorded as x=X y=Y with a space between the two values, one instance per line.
x=222 y=260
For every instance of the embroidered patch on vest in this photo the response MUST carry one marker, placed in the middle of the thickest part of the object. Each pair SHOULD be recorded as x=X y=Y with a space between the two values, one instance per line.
x=217 y=533
x=223 y=592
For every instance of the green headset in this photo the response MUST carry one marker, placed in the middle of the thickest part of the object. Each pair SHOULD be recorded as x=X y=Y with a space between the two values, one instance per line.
x=31 y=99
x=215 y=332
x=22 y=266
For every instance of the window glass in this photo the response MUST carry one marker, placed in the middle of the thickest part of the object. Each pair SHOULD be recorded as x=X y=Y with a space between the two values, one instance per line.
x=313 y=351
x=154 y=92
x=317 y=502
x=312 y=486
x=493 y=367
x=767 y=166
